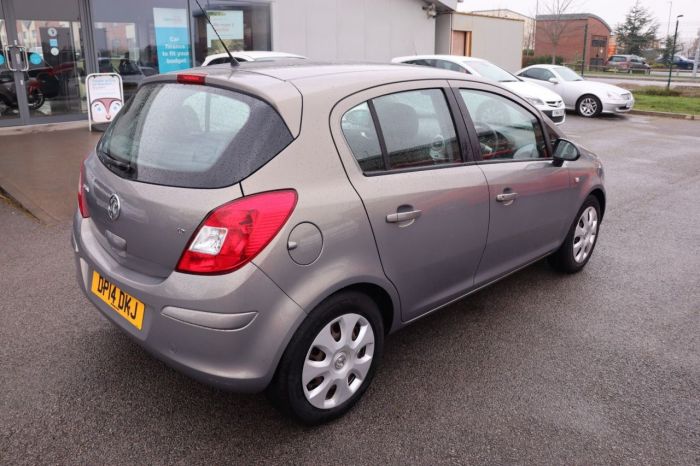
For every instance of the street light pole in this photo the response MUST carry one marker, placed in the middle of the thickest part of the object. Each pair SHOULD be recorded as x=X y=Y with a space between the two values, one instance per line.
x=673 y=54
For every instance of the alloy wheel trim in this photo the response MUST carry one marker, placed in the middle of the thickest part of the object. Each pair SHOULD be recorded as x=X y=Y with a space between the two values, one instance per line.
x=588 y=106
x=347 y=344
x=585 y=234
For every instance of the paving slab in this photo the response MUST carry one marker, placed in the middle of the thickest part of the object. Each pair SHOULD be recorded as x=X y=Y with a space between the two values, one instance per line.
x=40 y=170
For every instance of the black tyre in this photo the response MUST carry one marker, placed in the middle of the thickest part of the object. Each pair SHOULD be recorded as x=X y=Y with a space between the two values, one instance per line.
x=589 y=106
x=36 y=100
x=576 y=251
x=331 y=360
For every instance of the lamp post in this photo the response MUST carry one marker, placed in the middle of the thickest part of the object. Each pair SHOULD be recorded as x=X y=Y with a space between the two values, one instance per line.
x=673 y=54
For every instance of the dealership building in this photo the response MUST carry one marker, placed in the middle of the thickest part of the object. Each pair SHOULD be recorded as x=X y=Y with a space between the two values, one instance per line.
x=47 y=48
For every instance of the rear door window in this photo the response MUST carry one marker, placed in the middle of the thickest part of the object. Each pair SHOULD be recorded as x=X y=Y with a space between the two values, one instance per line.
x=417 y=128
x=417 y=131
x=192 y=136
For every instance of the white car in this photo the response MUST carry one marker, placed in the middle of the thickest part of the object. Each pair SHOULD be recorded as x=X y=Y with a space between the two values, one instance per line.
x=588 y=98
x=219 y=58
x=548 y=102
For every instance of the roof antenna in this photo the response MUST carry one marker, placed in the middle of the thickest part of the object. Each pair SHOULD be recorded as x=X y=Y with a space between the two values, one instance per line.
x=234 y=62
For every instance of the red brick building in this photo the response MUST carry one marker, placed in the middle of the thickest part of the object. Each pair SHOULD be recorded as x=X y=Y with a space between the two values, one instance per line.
x=570 y=28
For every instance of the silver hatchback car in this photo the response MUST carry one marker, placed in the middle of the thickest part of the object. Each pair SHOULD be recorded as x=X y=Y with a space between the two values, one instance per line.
x=265 y=227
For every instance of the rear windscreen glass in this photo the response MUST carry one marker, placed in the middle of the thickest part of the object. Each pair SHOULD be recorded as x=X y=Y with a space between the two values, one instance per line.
x=192 y=136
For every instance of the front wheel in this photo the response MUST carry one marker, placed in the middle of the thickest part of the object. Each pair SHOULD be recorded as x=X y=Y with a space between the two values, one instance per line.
x=589 y=106
x=576 y=251
x=331 y=359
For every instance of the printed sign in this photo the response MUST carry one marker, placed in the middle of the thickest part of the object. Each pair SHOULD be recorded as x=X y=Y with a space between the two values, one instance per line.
x=172 y=39
x=228 y=23
x=105 y=96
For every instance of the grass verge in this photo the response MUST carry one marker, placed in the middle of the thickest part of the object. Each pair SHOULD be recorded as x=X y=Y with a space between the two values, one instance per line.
x=672 y=104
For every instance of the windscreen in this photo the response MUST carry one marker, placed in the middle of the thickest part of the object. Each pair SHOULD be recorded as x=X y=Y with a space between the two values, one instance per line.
x=491 y=71
x=192 y=136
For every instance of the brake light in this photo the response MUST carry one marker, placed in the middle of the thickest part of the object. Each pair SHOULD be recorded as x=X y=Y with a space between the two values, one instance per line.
x=82 y=201
x=190 y=78
x=234 y=233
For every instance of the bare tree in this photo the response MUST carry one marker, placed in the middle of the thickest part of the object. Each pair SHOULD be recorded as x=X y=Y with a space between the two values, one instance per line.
x=554 y=26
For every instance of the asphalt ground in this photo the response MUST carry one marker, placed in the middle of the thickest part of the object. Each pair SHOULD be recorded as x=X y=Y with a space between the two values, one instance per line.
x=598 y=368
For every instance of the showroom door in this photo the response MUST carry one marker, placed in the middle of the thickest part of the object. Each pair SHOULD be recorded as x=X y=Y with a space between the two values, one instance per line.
x=42 y=64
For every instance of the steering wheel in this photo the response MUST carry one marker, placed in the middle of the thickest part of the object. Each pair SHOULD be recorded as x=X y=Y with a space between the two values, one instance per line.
x=493 y=143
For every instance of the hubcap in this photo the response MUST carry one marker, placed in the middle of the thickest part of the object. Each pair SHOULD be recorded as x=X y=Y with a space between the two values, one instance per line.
x=588 y=106
x=338 y=361
x=585 y=234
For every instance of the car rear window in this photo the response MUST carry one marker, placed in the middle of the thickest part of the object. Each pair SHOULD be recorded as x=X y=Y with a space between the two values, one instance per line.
x=192 y=136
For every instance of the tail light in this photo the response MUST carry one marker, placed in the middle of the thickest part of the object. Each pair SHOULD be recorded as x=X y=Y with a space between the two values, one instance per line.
x=82 y=201
x=233 y=234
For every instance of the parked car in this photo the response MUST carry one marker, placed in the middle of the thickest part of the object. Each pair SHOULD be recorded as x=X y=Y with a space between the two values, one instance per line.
x=587 y=98
x=627 y=64
x=219 y=58
x=253 y=245
x=548 y=102
x=679 y=61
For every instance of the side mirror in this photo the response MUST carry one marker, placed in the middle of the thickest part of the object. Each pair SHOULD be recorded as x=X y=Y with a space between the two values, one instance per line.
x=553 y=80
x=565 y=150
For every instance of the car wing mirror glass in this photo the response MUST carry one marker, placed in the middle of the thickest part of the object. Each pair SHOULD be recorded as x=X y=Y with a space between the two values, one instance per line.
x=565 y=150
x=553 y=80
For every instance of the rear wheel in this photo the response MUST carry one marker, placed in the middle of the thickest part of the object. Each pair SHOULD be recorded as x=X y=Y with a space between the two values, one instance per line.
x=578 y=246
x=331 y=359
x=589 y=106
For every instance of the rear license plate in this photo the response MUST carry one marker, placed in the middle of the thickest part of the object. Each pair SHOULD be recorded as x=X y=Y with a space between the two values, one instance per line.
x=558 y=112
x=123 y=303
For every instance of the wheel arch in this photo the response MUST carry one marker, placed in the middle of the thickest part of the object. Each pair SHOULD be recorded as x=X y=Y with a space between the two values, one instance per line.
x=386 y=301
x=600 y=195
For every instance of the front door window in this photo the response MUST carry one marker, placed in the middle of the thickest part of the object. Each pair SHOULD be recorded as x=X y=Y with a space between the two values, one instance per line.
x=506 y=131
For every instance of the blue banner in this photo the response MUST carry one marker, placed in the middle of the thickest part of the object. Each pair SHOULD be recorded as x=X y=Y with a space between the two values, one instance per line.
x=172 y=39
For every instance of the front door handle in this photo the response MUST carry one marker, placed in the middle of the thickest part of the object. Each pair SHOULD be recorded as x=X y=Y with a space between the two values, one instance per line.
x=399 y=217
x=506 y=198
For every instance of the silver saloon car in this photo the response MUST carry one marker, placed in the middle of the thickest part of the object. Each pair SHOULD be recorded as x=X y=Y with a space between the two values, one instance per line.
x=265 y=227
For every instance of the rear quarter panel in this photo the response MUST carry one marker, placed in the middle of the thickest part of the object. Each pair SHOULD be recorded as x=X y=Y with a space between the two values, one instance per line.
x=312 y=167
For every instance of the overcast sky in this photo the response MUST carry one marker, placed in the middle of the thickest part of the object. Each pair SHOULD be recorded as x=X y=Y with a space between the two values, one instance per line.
x=612 y=11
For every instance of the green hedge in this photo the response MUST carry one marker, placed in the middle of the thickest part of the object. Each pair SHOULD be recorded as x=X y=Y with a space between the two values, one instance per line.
x=656 y=90
x=541 y=59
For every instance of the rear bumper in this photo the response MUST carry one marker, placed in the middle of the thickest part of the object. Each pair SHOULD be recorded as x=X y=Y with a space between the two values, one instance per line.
x=227 y=330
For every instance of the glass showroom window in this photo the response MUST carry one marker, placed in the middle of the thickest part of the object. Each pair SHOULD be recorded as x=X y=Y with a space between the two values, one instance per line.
x=139 y=38
x=241 y=27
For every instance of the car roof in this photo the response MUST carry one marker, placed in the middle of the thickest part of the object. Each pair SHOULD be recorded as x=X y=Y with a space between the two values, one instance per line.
x=253 y=55
x=452 y=58
x=541 y=65
x=283 y=83
x=295 y=71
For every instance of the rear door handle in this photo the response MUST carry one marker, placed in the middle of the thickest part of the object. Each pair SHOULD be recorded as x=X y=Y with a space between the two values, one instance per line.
x=399 y=217
x=506 y=198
